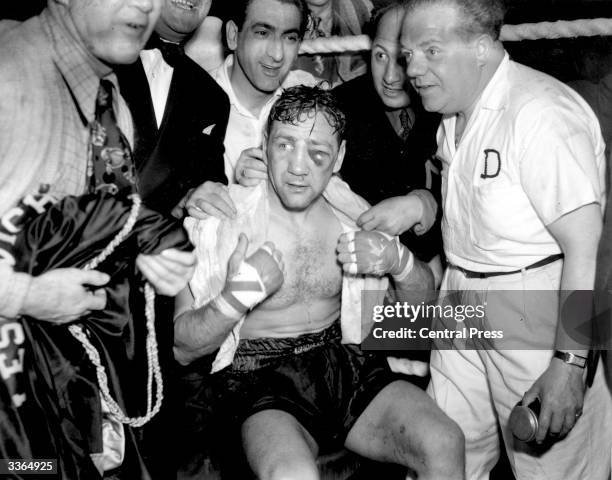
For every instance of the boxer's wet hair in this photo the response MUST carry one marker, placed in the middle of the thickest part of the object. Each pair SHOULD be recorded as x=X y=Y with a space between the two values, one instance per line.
x=479 y=16
x=299 y=103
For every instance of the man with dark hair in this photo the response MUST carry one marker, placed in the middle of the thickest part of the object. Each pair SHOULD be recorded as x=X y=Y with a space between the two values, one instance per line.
x=238 y=13
x=264 y=36
x=523 y=192
x=285 y=321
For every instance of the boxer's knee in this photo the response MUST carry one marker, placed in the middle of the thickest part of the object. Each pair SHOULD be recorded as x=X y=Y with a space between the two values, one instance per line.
x=292 y=470
x=443 y=450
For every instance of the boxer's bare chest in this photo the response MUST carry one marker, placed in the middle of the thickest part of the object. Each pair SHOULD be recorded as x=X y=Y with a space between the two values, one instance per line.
x=312 y=272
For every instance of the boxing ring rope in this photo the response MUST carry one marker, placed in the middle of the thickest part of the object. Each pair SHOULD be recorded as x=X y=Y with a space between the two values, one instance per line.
x=509 y=33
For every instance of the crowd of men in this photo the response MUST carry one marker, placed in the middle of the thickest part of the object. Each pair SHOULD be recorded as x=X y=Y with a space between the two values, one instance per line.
x=296 y=199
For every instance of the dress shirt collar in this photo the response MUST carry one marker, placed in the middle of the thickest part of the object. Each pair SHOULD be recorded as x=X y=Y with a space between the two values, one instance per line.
x=495 y=94
x=222 y=75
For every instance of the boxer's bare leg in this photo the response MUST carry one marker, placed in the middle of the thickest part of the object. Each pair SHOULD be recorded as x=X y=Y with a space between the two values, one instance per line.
x=278 y=447
x=403 y=425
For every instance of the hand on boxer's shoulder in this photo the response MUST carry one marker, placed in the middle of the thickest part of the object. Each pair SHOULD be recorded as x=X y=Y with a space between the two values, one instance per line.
x=250 y=168
x=393 y=215
x=210 y=199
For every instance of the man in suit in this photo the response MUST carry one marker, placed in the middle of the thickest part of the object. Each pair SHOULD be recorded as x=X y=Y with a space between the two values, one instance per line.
x=180 y=113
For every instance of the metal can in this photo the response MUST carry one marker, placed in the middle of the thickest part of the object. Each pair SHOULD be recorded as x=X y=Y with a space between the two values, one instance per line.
x=523 y=421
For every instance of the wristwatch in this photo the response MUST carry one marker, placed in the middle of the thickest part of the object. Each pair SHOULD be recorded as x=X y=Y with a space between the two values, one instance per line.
x=572 y=359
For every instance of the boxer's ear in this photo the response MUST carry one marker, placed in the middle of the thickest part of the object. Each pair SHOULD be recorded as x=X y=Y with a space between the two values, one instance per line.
x=340 y=157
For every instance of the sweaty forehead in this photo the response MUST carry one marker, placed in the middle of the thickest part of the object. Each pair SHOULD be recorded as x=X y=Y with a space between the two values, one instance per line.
x=315 y=129
x=273 y=13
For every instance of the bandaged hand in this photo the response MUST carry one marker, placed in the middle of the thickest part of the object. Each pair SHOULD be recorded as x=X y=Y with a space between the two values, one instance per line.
x=374 y=253
x=250 y=281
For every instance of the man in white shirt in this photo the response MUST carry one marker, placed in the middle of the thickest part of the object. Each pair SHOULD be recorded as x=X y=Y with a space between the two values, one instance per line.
x=180 y=113
x=523 y=190
x=264 y=36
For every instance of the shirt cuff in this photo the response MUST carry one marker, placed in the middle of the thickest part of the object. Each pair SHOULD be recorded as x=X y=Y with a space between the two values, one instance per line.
x=430 y=211
x=14 y=289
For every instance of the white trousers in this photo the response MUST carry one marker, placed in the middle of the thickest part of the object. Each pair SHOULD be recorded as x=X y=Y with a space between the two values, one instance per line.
x=479 y=388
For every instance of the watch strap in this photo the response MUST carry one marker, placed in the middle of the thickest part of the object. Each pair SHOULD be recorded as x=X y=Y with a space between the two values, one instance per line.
x=571 y=358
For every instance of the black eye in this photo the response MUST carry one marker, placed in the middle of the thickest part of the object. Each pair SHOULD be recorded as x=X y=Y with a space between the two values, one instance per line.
x=319 y=156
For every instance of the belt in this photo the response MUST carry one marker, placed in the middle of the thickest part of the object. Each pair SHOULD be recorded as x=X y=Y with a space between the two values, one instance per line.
x=540 y=263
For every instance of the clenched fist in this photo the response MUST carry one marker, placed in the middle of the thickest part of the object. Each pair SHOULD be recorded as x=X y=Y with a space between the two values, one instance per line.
x=251 y=280
x=371 y=253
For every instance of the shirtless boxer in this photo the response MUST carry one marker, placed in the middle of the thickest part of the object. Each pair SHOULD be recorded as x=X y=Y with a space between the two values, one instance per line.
x=297 y=382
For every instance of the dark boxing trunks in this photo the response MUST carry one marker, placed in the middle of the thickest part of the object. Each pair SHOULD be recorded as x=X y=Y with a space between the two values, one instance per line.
x=324 y=384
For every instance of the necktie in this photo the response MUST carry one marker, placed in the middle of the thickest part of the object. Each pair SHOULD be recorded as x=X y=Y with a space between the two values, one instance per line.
x=406 y=122
x=172 y=52
x=111 y=156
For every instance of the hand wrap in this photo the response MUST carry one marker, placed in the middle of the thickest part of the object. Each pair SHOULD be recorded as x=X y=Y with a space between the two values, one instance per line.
x=377 y=253
x=246 y=288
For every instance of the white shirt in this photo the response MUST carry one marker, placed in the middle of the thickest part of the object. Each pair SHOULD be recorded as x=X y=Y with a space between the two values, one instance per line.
x=539 y=148
x=159 y=76
x=245 y=130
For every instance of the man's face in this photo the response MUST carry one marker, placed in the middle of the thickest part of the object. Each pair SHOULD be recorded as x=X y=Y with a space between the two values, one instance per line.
x=301 y=159
x=441 y=65
x=266 y=46
x=114 y=31
x=388 y=73
x=180 y=18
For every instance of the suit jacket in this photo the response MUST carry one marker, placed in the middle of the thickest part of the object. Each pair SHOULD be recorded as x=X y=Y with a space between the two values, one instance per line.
x=184 y=152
